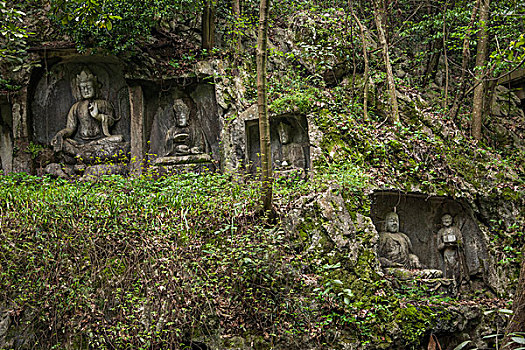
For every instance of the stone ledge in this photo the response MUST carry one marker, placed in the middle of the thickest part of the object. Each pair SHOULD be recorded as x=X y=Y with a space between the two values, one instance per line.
x=187 y=159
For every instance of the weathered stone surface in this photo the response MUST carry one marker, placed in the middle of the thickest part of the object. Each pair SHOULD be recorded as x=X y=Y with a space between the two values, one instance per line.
x=467 y=322
x=14 y=330
x=186 y=159
x=506 y=122
x=337 y=222
x=234 y=139
x=289 y=142
x=185 y=124
x=205 y=68
x=508 y=214
x=505 y=102
x=403 y=274
x=322 y=224
x=420 y=218
x=109 y=149
x=6 y=150
x=191 y=167
x=5 y=323
x=19 y=115
x=22 y=161
x=56 y=92
x=6 y=137
x=56 y=170
x=137 y=137
x=205 y=98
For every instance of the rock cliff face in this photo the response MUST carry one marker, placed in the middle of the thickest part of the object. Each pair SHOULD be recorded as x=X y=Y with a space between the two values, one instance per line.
x=218 y=132
x=357 y=171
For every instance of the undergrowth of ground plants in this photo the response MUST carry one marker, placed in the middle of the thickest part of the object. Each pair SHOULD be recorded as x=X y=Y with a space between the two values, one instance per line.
x=144 y=263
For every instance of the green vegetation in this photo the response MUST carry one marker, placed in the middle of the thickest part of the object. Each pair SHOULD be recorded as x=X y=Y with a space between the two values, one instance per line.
x=146 y=262
x=13 y=43
x=149 y=262
x=117 y=25
x=142 y=262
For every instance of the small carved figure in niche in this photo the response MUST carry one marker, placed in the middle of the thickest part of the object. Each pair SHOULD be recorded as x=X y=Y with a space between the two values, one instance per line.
x=292 y=154
x=284 y=133
x=395 y=248
x=90 y=117
x=182 y=138
x=450 y=245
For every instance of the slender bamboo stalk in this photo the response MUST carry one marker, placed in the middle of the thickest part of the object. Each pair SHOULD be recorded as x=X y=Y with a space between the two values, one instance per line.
x=208 y=26
x=262 y=104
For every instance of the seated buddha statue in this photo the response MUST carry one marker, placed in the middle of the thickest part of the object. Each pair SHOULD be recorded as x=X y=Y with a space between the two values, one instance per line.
x=90 y=120
x=396 y=254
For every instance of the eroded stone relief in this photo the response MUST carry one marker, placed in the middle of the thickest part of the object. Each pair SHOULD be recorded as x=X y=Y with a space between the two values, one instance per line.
x=395 y=252
x=81 y=111
x=185 y=129
x=58 y=90
x=289 y=143
x=395 y=248
x=180 y=138
x=6 y=138
x=434 y=233
x=450 y=244
x=91 y=119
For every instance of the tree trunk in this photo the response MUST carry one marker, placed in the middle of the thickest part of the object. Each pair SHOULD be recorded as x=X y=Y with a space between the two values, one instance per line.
x=348 y=24
x=365 y=56
x=464 y=64
x=434 y=48
x=433 y=63
x=262 y=104
x=208 y=26
x=379 y=15
x=445 y=54
x=481 y=58
x=447 y=72
x=236 y=9
x=517 y=321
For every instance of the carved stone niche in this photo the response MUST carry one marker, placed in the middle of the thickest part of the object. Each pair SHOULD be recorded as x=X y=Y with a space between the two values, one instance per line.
x=421 y=218
x=6 y=137
x=80 y=108
x=183 y=127
x=289 y=143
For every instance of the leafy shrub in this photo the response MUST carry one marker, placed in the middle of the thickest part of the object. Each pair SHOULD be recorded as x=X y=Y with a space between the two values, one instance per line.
x=144 y=263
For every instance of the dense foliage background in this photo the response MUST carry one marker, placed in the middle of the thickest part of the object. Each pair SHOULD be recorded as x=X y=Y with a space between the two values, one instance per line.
x=160 y=262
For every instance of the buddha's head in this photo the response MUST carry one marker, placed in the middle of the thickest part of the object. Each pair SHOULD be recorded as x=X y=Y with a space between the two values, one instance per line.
x=392 y=222
x=86 y=84
x=447 y=220
x=182 y=113
x=284 y=133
